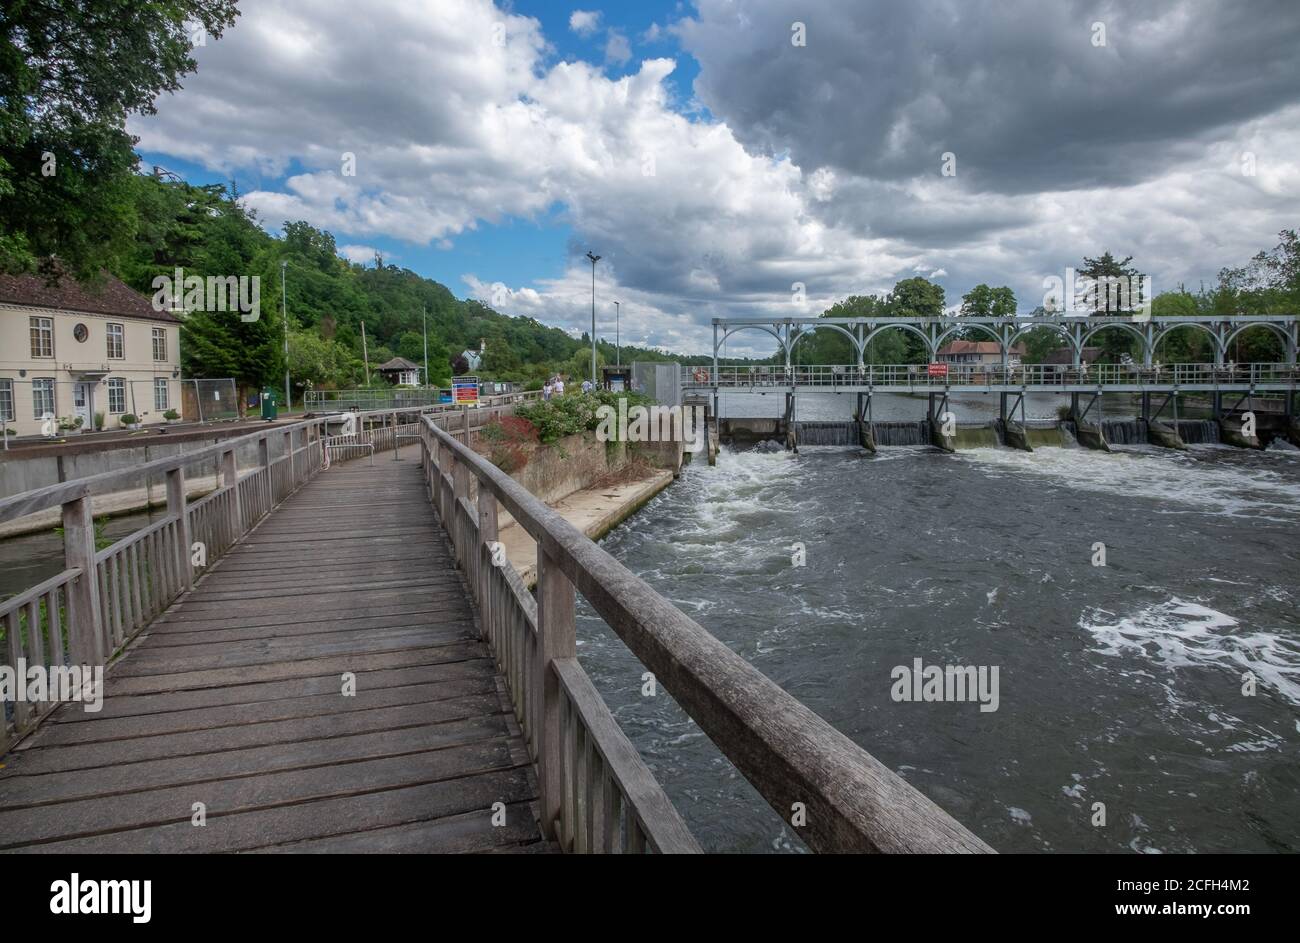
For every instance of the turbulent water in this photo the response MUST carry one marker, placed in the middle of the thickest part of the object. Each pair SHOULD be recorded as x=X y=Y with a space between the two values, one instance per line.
x=1119 y=684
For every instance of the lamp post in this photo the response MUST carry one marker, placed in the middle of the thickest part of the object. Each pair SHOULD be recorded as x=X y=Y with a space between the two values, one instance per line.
x=594 y=260
x=424 y=324
x=284 y=311
x=618 y=347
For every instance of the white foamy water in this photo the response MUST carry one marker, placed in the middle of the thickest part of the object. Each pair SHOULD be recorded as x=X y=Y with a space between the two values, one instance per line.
x=1178 y=634
x=1118 y=681
x=1161 y=475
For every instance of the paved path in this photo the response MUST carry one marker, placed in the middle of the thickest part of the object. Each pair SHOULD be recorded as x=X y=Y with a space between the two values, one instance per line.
x=233 y=699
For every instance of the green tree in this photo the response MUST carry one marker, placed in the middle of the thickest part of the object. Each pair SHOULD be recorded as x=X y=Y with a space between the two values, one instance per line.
x=316 y=362
x=1117 y=284
x=71 y=71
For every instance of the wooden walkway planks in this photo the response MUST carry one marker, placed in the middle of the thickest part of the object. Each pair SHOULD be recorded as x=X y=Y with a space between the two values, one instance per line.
x=233 y=699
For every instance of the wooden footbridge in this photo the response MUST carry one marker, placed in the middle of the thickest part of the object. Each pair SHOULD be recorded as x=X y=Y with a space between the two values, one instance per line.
x=327 y=653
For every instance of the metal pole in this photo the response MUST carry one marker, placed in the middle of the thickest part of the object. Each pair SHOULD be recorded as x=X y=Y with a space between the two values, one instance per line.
x=424 y=321
x=284 y=309
x=365 y=355
x=594 y=260
x=618 y=346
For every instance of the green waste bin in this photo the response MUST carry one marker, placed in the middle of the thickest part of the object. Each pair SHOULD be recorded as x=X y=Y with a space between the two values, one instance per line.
x=269 y=412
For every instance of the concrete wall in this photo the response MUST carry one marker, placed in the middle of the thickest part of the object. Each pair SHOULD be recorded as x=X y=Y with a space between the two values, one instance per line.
x=566 y=466
x=579 y=461
x=21 y=472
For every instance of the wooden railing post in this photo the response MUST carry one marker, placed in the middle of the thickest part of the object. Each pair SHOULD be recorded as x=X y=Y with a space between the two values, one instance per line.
x=556 y=607
x=176 y=508
x=459 y=490
x=488 y=532
x=289 y=471
x=230 y=479
x=85 y=619
x=264 y=459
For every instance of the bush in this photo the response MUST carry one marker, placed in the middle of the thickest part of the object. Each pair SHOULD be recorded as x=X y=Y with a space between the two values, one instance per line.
x=511 y=440
x=559 y=416
x=127 y=419
x=171 y=414
x=574 y=412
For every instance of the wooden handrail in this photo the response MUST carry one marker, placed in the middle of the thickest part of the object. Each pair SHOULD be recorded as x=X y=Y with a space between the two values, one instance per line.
x=39 y=499
x=853 y=803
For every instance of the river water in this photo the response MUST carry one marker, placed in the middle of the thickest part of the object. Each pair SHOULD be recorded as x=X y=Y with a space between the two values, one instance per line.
x=1120 y=684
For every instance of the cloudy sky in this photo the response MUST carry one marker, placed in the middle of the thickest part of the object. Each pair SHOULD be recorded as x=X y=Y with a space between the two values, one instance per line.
x=716 y=153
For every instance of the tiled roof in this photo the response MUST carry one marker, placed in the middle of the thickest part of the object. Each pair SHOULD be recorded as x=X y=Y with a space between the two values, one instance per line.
x=109 y=296
x=978 y=347
x=397 y=363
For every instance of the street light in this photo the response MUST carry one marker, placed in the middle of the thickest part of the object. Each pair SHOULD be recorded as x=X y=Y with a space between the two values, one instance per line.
x=618 y=356
x=594 y=260
x=284 y=311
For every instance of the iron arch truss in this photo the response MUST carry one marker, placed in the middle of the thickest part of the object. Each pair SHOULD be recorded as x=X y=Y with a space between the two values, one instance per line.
x=1215 y=334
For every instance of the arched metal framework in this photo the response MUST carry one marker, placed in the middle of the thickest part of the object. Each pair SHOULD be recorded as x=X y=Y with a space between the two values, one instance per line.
x=1076 y=331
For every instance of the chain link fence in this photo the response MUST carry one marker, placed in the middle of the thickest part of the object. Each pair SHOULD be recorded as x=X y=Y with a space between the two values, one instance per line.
x=660 y=381
x=209 y=400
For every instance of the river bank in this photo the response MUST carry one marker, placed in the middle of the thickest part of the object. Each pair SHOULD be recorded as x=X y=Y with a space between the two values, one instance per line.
x=595 y=510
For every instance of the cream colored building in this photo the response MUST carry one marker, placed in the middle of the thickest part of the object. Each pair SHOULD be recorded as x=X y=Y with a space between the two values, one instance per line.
x=71 y=350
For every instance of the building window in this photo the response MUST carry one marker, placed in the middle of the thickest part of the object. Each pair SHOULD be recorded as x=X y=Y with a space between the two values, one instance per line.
x=160 y=394
x=116 y=342
x=160 y=343
x=43 y=397
x=116 y=395
x=42 y=336
x=7 y=401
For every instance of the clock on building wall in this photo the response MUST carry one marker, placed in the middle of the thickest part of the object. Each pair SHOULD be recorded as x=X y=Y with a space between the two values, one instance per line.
x=80 y=333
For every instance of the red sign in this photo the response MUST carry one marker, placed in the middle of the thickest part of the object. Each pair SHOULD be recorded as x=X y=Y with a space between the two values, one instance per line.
x=938 y=370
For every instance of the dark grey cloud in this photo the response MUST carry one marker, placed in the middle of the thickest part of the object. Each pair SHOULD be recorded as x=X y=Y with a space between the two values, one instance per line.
x=1014 y=88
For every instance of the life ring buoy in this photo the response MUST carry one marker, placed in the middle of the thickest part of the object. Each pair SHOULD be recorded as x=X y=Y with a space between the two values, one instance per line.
x=701 y=375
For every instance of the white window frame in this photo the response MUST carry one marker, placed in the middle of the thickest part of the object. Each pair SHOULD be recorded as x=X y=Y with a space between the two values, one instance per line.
x=120 y=384
x=121 y=337
x=40 y=383
x=160 y=344
x=41 y=330
x=7 y=400
x=161 y=404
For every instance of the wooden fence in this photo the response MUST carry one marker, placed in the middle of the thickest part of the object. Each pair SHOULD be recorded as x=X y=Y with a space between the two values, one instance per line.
x=86 y=614
x=596 y=793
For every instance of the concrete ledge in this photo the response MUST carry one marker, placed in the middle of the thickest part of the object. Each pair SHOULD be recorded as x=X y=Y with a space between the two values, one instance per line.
x=1090 y=436
x=866 y=436
x=1165 y=436
x=947 y=443
x=1014 y=436
x=595 y=511
x=1230 y=434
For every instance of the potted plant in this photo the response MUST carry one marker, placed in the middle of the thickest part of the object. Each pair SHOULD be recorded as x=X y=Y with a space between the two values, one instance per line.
x=129 y=421
x=99 y=422
x=70 y=425
x=171 y=416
